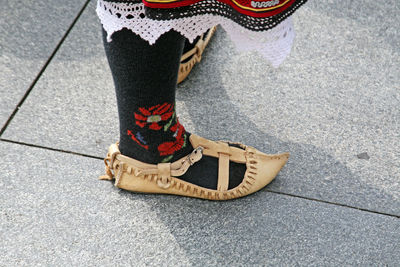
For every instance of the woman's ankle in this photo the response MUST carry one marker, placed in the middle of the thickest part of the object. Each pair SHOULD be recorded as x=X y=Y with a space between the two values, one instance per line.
x=154 y=135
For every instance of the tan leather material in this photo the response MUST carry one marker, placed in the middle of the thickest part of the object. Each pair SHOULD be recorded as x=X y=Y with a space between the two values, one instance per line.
x=113 y=152
x=223 y=172
x=164 y=173
x=133 y=175
x=223 y=148
x=213 y=149
x=194 y=54
x=178 y=168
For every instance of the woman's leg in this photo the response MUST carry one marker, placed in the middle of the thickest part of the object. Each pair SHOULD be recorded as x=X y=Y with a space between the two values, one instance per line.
x=145 y=79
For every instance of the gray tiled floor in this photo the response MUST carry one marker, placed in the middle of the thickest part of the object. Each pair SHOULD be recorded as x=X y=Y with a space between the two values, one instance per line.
x=27 y=40
x=60 y=213
x=67 y=105
x=335 y=97
x=322 y=122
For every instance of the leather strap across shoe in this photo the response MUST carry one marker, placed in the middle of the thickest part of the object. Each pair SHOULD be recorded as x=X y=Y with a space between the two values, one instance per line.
x=194 y=55
x=163 y=178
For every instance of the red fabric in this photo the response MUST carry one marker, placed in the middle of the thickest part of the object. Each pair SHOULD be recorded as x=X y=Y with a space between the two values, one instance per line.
x=168 y=148
x=159 y=113
x=260 y=12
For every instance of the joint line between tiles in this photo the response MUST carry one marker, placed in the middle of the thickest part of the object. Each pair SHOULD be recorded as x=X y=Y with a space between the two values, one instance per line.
x=271 y=191
x=51 y=149
x=28 y=91
x=334 y=203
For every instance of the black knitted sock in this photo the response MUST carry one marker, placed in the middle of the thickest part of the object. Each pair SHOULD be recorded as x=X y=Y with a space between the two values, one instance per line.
x=145 y=79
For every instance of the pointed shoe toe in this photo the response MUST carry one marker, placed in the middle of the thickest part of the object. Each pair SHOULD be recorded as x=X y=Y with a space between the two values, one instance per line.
x=163 y=178
x=263 y=168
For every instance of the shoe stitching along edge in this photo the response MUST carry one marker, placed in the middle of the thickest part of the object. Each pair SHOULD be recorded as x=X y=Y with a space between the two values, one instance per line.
x=115 y=168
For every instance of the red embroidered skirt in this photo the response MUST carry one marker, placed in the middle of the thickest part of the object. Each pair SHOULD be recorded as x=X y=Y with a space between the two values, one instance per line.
x=261 y=25
x=256 y=15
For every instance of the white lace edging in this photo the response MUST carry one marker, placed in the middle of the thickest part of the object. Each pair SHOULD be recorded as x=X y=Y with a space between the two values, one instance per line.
x=274 y=44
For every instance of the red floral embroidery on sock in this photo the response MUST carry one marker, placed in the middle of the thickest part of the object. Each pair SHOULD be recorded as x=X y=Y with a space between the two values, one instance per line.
x=160 y=117
x=168 y=148
x=154 y=115
x=136 y=140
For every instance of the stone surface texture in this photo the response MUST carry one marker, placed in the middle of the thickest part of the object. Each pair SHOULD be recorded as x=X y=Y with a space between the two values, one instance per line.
x=336 y=97
x=54 y=211
x=29 y=33
x=334 y=104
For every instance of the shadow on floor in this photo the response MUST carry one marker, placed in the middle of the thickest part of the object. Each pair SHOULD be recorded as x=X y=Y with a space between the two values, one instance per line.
x=256 y=228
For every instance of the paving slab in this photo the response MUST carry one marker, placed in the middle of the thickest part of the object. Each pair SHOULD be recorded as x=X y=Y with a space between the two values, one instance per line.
x=54 y=211
x=76 y=88
x=333 y=104
x=29 y=33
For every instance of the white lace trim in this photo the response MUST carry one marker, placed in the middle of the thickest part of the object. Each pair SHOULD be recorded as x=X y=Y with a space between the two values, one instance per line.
x=274 y=44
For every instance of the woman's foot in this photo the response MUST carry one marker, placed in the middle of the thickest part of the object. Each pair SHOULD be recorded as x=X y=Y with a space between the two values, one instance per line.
x=157 y=136
x=169 y=178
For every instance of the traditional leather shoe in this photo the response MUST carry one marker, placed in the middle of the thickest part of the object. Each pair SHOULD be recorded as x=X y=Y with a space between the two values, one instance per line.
x=193 y=56
x=133 y=175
